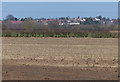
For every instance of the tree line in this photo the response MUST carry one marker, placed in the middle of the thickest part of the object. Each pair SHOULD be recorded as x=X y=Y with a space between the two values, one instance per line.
x=31 y=28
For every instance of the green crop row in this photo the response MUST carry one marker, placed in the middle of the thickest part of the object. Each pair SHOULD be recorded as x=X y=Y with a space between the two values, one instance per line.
x=92 y=35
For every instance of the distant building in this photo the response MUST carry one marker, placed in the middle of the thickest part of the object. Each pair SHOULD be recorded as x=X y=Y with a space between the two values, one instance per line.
x=83 y=20
x=61 y=24
x=74 y=23
x=16 y=22
x=96 y=19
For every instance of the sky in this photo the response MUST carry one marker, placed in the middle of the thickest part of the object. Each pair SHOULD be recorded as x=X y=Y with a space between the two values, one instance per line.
x=60 y=9
x=60 y=0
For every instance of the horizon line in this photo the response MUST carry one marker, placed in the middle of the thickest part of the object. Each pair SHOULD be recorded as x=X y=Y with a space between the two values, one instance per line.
x=61 y=17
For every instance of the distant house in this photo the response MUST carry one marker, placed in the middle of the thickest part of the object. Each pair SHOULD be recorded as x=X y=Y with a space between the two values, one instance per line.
x=83 y=20
x=74 y=23
x=115 y=21
x=96 y=19
x=61 y=24
x=16 y=22
x=45 y=21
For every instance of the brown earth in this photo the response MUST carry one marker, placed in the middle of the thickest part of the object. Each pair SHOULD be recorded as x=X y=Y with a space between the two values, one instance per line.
x=60 y=58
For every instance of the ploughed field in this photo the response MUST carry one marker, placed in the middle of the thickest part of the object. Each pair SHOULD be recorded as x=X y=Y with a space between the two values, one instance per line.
x=59 y=58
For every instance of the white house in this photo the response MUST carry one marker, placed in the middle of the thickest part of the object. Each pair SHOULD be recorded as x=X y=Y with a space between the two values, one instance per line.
x=82 y=20
x=74 y=23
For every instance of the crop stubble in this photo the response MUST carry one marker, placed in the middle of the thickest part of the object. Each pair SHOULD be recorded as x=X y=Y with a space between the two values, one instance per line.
x=60 y=58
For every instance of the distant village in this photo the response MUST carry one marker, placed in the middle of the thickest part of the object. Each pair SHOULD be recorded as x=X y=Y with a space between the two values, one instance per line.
x=63 y=26
x=64 y=20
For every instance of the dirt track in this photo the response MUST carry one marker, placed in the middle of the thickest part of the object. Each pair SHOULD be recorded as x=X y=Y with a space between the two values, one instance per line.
x=60 y=58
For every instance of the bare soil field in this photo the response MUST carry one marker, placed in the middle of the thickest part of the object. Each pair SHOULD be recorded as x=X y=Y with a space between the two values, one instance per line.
x=60 y=58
